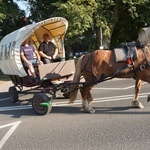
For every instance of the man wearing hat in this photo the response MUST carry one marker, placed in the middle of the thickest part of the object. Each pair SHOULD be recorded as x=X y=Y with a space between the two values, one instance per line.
x=48 y=50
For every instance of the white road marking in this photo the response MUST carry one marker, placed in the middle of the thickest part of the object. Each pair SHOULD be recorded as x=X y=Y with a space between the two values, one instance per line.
x=3 y=99
x=129 y=87
x=8 y=134
x=76 y=102
x=100 y=100
x=15 y=108
x=126 y=88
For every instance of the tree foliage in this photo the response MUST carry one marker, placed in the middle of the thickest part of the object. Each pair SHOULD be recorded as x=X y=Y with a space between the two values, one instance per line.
x=120 y=20
x=79 y=13
x=41 y=9
x=11 y=17
x=132 y=17
x=116 y=17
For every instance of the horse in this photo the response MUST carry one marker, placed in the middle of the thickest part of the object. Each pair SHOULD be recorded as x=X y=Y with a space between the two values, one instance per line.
x=101 y=65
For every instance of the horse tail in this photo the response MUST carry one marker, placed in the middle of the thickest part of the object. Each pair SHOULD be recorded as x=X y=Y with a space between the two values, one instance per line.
x=76 y=79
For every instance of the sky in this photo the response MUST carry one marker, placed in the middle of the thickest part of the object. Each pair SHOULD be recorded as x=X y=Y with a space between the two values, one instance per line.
x=23 y=6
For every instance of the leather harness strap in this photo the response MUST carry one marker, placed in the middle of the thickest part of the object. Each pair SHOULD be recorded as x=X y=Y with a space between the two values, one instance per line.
x=87 y=62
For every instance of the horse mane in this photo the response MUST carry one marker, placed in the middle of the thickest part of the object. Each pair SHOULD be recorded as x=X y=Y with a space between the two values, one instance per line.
x=144 y=36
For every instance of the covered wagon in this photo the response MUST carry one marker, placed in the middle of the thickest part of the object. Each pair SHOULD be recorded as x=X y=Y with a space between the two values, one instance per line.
x=53 y=76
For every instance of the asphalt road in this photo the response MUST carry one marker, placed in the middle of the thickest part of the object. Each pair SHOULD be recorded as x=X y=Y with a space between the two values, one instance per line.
x=114 y=126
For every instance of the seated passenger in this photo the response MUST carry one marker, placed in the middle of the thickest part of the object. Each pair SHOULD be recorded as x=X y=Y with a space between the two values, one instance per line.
x=48 y=50
x=27 y=55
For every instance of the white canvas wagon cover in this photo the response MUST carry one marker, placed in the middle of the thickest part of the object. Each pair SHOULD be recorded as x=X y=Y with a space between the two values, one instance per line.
x=10 y=61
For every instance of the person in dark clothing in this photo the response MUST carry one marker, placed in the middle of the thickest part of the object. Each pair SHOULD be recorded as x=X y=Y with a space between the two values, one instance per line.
x=48 y=50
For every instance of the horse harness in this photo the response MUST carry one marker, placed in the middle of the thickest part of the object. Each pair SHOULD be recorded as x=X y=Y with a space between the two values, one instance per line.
x=90 y=70
x=117 y=73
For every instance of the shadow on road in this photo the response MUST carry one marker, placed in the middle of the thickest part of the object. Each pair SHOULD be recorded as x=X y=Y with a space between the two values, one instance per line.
x=128 y=110
x=4 y=94
x=77 y=110
x=30 y=112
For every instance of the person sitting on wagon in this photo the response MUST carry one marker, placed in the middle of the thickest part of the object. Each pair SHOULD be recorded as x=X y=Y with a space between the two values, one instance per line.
x=27 y=55
x=48 y=50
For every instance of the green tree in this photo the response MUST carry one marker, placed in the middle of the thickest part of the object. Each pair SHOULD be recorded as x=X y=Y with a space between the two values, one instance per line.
x=2 y=15
x=120 y=20
x=41 y=9
x=79 y=14
x=129 y=24
x=110 y=15
x=11 y=18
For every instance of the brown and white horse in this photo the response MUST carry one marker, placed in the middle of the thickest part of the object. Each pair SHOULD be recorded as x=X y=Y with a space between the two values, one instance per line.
x=100 y=65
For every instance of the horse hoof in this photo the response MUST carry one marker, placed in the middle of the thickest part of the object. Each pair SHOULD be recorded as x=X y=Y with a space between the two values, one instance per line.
x=137 y=104
x=88 y=110
x=92 y=111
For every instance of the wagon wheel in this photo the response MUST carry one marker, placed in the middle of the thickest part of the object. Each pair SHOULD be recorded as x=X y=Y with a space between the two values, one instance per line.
x=41 y=104
x=13 y=94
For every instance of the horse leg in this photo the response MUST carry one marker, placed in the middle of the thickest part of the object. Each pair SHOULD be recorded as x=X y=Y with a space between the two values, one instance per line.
x=135 y=102
x=86 y=99
x=89 y=98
